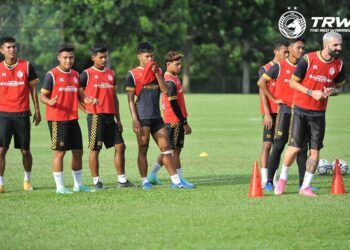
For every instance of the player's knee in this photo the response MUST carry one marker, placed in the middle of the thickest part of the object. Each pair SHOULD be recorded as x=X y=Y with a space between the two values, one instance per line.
x=3 y=151
x=25 y=152
x=278 y=146
x=78 y=153
x=267 y=147
x=143 y=148
x=120 y=148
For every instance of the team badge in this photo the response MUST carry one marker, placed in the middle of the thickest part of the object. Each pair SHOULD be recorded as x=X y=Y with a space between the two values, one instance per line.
x=331 y=71
x=292 y=24
x=75 y=80
x=110 y=77
x=96 y=76
x=20 y=74
x=288 y=71
x=314 y=67
x=61 y=79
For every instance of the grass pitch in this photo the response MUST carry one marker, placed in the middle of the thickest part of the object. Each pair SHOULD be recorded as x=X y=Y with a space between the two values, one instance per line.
x=216 y=215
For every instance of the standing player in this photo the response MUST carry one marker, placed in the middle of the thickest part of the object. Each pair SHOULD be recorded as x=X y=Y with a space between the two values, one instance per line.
x=318 y=75
x=281 y=72
x=60 y=93
x=99 y=84
x=17 y=80
x=175 y=115
x=269 y=108
x=146 y=82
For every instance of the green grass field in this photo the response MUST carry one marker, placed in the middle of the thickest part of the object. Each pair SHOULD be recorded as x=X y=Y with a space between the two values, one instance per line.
x=216 y=215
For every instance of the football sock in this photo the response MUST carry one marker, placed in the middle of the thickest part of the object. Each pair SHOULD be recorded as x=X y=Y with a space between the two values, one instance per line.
x=179 y=172
x=275 y=178
x=264 y=175
x=122 y=178
x=284 y=172
x=58 y=176
x=27 y=175
x=156 y=168
x=274 y=158
x=78 y=178
x=301 y=161
x=1 y=180
x=96 y=179
x=144 y=180
x=307 y=180
x=175 y=179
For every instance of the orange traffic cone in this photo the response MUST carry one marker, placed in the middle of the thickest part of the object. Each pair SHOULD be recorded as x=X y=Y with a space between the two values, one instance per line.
x=337 y=182
x=255 y=183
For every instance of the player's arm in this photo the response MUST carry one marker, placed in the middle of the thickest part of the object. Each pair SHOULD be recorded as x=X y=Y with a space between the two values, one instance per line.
x=161 y=82
x=299 y=75
x=265 y=106
x=46 y=89
x=130 y=89
x=33 y=80
x=339 y=82
x=271 y=74
x=82 y=97
x=116 y=103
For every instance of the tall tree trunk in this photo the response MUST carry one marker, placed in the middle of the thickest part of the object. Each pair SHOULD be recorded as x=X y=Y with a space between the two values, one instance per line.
x=246 y=69
x=187 y=63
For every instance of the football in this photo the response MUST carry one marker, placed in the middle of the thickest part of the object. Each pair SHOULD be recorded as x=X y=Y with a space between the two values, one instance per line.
x=343 y=166
x=324 y=167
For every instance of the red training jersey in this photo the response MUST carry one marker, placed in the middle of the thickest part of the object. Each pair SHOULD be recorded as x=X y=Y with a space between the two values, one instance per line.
x=319 y=74
x=14 y=87
x=168 y=113
x=100 y=84
x=66 y=88
x=271 y=85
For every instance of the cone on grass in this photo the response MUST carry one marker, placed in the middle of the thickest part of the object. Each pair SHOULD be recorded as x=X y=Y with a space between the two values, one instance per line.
x=255 y=189
x=337 y=181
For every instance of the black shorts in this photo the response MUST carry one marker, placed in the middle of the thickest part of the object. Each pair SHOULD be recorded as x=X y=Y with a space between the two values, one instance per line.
x=19 y=128
x=65 y=135
x=176 y=134
x=103 y=129
x=282 y=125
x=268 y=134
x=153 y=124
x=307 y=128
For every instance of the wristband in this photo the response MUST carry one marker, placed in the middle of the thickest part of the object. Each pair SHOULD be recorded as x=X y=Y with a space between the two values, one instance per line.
x=309 y=92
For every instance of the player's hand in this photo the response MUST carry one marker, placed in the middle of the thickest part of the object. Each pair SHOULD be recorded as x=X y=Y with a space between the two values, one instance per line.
x=53 y=101
x=154 y=67
x=91 y=100
x=328 y=91
x=136 y=125
x=36 y=118
x=318 y=95
x=278 y=101
x=188 y=129
x=120 y=126
x=267 y=121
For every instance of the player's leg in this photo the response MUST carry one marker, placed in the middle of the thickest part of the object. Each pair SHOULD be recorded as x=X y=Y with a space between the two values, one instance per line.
x=301 y=162
x=6 y=132
x=3 y=152
x=143 y=143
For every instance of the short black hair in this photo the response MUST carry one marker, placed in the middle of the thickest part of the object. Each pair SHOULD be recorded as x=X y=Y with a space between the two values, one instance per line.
x=172 y=56
x=298 y=39
x=98 y=47
x=7 y=39
x=280 y=43
x=144 y=47
x=66 y=47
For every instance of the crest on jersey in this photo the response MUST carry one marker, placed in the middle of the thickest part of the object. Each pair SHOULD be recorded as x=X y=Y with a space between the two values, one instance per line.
x=20 y=74
x=75 y=80
x=61 y=79
x=314 y=67
x=96 y=76
x=288 y=71
x=331 y=71
x=292 y=24
x=110 y=77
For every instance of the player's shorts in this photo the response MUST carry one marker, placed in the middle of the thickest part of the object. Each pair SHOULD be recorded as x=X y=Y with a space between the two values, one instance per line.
x=268 y=134
x=176 y=134
x=153 y=124
x=19 y=128
x=102 y=128
x=304 y=127
x=65 y=135
x=282 y=125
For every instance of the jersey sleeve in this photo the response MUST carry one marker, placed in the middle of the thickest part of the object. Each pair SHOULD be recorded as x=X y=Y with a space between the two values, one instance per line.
x=272 y=73
x=172 y=95
x=47 y=84
x=339 y=81
x=300 y=71
x=130 y=83
x=262 y=70
x=83 y=79
x=32 y=76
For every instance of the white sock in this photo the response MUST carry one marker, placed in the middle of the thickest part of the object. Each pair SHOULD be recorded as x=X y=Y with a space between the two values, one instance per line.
x=264 y=176
x=78 y=178
x=122 y=178
x=175 y=179
x=96 y=179
x=156 y=168
x=284 y=172
x=179 y=172
x=1 y=180
x=58 y=176
x=27 y=175
x=144 y=180
x=307 y=180
x=275 y=179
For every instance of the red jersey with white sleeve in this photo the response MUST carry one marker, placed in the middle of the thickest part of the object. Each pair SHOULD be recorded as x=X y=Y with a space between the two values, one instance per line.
x=271 y=85
x=15 y=81
x=175 y=93
x=99 y=84
x=315 y=73
x=64 y=86
x=282 y=72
